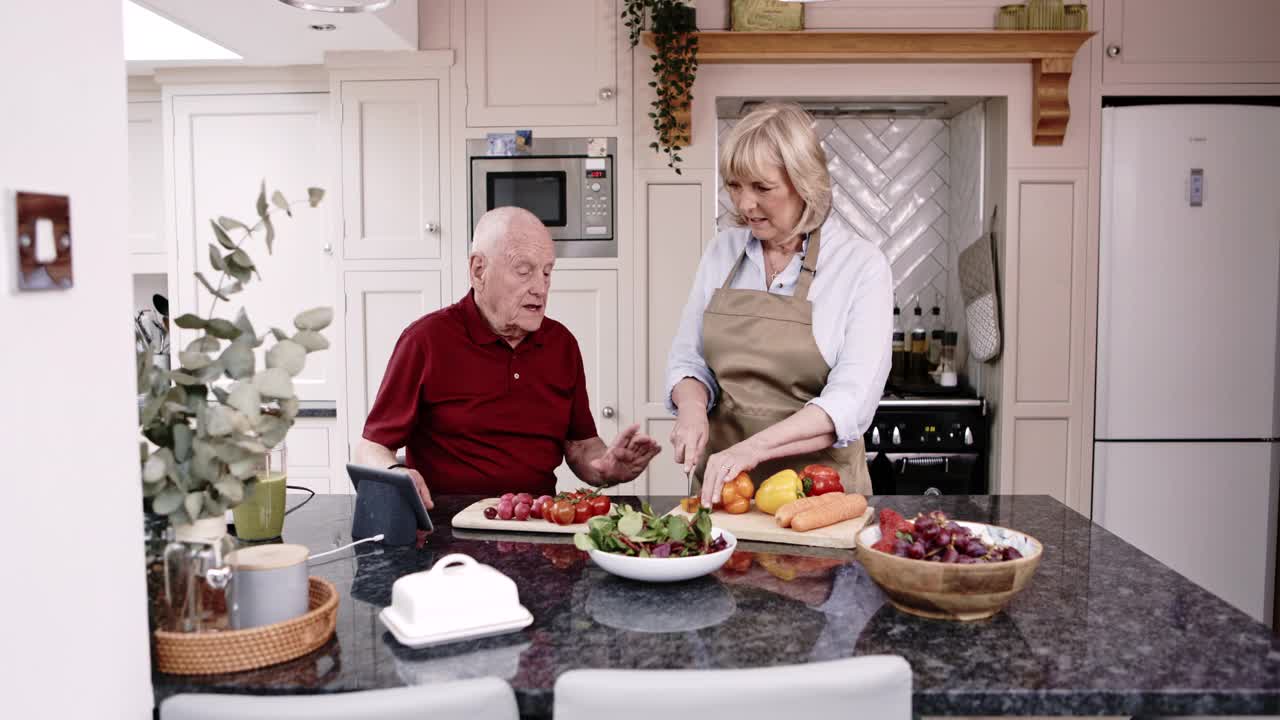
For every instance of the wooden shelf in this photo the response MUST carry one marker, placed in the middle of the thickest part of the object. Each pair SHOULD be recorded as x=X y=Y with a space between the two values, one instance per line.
x=1050 y=53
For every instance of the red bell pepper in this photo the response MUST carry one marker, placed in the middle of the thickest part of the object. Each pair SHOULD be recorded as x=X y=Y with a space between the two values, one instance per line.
x=820 y=480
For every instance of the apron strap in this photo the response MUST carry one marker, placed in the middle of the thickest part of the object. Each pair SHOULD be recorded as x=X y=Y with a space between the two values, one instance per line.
x=809 y=267
x=734 y=270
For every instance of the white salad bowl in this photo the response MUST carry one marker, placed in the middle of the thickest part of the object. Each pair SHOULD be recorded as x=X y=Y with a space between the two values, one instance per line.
x=668 y=569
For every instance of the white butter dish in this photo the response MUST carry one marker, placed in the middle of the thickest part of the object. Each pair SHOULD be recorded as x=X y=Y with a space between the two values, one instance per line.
x=456 y=599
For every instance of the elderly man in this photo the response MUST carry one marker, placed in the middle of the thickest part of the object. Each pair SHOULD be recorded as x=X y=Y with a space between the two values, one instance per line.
x=488 y=395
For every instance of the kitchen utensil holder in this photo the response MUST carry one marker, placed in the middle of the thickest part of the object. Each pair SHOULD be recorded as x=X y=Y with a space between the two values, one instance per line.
x=204 y=653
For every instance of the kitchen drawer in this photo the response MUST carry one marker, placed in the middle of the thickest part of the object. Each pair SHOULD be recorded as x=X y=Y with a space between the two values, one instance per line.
x=309 y=448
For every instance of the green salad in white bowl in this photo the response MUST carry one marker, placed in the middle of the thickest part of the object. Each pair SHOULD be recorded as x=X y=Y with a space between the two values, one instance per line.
x=640 y=545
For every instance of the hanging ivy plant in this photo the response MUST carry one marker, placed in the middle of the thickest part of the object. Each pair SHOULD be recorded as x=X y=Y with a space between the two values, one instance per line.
x=675 y=65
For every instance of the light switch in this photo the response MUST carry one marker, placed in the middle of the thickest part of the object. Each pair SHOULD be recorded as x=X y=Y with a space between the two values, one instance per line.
x=46 y=252
x=44 y=241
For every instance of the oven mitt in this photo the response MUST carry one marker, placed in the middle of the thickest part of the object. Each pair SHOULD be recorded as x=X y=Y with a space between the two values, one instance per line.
x=978 y=290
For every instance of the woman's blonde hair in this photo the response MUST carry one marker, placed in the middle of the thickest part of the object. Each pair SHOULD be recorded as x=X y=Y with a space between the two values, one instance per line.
x=780 y=134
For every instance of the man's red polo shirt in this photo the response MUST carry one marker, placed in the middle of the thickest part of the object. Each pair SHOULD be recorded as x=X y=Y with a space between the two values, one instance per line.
x=476 y=415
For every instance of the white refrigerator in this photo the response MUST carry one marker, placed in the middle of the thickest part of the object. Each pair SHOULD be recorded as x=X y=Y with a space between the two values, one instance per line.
x=1186 y=429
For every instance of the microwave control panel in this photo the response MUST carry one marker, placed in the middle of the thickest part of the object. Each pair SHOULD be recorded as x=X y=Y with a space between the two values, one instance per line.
x=597 y=189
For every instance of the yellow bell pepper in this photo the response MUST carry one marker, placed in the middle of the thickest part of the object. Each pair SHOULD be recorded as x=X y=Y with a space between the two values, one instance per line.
x=781 y=488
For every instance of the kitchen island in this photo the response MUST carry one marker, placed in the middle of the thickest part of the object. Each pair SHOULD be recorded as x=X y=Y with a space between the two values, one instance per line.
x=1102 y=629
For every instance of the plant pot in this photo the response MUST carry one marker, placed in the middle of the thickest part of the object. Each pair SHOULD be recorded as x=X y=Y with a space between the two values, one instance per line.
x=205 y=530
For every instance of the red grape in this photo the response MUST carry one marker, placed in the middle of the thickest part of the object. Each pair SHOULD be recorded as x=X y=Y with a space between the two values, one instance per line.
x=522 y=511
x=506 y=510
x=536 y=509
x=525 y=498
x=508 y=496
x=490 y=512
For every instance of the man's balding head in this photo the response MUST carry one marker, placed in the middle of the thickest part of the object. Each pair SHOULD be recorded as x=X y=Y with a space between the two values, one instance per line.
x=510 y=269
x=504 y=225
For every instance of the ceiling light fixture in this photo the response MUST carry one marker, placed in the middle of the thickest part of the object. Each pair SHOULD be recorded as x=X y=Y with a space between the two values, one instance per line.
x=340 y=6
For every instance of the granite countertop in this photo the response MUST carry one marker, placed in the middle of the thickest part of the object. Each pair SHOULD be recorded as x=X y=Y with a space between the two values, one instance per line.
x=1102 y=629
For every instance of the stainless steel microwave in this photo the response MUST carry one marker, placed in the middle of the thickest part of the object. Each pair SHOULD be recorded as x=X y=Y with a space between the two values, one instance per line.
x=570 y=191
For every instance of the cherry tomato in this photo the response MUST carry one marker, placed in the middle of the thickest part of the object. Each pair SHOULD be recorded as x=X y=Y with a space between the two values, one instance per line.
x=600 y=505
x=582 y=511
x=561 y=512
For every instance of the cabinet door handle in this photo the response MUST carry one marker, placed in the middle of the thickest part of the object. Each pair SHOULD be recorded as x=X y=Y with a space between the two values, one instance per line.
x=606 y=94
x=433 y=227
x=328 y=248
x=607 y=411
x=1113 y=50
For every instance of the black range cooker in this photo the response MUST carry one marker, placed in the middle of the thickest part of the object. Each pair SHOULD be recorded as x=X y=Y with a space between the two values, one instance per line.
x=929 y=444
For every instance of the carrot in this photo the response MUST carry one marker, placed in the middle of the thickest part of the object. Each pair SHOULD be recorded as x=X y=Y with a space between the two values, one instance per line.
x=788 y=512
x=847 y=507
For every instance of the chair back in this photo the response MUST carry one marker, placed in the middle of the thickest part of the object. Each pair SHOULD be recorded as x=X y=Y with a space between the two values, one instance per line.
x=872 y=686
x=487 y=698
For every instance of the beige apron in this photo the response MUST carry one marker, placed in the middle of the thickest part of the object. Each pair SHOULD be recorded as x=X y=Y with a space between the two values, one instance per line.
x=761 y=348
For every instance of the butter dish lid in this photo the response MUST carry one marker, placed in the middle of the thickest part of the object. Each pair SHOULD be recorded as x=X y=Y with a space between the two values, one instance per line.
x=455 y=597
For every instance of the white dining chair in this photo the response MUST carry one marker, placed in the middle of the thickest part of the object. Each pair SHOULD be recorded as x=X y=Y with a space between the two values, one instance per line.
x=487 y=698
x=872 y=686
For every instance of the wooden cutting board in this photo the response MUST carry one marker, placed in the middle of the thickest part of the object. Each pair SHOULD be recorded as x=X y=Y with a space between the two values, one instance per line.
x=760 y=527
x=753 y=525
x=472 y=518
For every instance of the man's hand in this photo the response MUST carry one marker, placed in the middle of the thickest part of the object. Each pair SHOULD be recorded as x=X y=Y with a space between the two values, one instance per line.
x=627 y=457
x=421 y=484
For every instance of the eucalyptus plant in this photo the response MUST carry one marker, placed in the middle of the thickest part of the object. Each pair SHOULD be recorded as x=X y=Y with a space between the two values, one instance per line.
x=675 y=66
x=210 y=421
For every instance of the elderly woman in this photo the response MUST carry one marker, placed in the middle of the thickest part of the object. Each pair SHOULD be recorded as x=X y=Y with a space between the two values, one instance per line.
x=785 y=342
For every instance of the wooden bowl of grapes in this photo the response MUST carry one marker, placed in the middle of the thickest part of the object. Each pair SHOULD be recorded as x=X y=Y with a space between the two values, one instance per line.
x=937 y=567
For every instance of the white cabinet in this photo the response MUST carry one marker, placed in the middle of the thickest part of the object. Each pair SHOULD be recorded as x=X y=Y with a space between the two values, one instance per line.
x=379 y=306
x=391 y=169
x=586 y=302
x=314 y=456
x=551 y=62
x=1190 y=41
x=224 y=146
x=146 y=188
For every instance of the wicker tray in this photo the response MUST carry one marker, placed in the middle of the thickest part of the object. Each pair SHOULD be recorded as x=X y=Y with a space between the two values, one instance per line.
x=236 y=650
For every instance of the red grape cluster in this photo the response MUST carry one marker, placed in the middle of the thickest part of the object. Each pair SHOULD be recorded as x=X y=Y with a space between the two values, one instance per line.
x=517 y=506
x=935 y=538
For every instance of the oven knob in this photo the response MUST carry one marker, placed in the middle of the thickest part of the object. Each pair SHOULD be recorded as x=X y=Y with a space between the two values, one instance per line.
x=897 y=436
x=875 y=436
x=968 y=436
x=595 y=187
x=933 y=491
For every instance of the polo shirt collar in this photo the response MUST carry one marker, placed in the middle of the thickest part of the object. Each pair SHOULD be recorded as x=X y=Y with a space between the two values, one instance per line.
x=478 y=328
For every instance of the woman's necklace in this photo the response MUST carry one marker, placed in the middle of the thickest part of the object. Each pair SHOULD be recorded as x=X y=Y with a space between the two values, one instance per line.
x=770 y=273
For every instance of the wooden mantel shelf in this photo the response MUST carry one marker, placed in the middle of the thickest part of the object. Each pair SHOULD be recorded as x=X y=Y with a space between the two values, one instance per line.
x=1050 y=53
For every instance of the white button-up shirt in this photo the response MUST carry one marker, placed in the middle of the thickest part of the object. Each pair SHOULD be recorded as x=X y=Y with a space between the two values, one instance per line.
x=852 y=296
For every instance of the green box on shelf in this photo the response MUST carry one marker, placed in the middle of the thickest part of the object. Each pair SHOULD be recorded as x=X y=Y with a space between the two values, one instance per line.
x=766 y=15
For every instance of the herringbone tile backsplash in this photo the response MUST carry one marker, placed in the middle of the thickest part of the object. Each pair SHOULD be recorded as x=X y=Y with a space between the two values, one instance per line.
x=892 y=182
